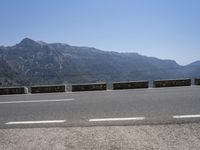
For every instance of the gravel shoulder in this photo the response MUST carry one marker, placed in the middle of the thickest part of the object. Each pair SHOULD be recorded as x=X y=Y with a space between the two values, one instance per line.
x=144 y=137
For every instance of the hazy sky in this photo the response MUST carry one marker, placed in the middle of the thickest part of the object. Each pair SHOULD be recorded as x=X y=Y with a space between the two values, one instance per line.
x=160 y=28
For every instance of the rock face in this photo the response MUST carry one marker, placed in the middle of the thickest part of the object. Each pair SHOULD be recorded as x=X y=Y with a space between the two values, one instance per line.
x=31 y=62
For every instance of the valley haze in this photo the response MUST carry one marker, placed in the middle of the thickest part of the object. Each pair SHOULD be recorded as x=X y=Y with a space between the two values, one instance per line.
x=34 y=62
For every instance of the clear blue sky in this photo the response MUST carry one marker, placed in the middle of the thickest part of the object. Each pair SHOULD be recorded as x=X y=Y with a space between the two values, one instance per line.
x=160 y=28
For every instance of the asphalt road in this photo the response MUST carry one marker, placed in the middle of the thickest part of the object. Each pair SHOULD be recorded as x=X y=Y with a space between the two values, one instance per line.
x=101 y=108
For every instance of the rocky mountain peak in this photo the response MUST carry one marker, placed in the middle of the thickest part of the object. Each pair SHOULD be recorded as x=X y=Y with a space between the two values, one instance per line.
x=28 y=42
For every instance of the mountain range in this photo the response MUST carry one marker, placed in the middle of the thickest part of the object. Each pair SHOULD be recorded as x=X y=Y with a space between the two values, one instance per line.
x=31 y=62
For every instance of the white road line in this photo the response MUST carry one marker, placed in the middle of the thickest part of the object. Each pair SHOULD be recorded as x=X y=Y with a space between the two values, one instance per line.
x=36 y=101
x=116 y=119
x=186 y=116
x=35 y=122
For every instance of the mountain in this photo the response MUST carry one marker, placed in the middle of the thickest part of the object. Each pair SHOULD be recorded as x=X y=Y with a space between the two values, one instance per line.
x=196 y=63
x=31 y=62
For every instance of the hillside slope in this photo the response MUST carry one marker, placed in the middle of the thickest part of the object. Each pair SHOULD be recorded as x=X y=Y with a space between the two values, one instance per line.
x=31 y=62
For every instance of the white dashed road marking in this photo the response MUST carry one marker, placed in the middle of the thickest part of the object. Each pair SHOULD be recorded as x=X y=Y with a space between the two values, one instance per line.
x=35 y=122
x=36 y=101
x=116 y=119
x=186 y=116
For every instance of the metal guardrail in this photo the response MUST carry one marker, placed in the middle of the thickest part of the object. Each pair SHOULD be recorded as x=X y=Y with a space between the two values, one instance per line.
x=172 y=83
x=197 y=81
x=130 y=85
x=13 y=90
x=89 y=87
x=98 y=86
x=48 y=89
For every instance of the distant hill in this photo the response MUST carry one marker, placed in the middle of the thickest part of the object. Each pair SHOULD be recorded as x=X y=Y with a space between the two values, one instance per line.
x=32 y=62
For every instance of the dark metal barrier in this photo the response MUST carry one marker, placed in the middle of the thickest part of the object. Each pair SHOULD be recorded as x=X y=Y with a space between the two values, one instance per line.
x=172 y=83
x=130 y=85
x=13 y=90
x=48 y=89
x=89 y=87
x=197 y=81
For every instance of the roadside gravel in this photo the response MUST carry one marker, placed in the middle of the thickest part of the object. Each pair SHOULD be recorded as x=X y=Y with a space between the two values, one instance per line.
x=144 y=137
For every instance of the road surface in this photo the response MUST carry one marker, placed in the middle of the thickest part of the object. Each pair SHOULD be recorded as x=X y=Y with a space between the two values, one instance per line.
x=101 y=108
